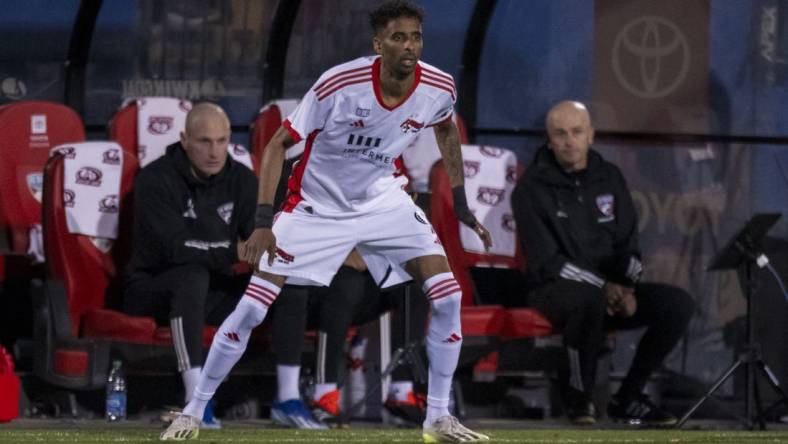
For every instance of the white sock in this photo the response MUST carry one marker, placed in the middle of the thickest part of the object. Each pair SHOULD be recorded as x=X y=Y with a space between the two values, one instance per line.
x=190 y=378
x=229 y=342
x=398 y=390
x=322 y=389
x=287 y=381
x=444 y=340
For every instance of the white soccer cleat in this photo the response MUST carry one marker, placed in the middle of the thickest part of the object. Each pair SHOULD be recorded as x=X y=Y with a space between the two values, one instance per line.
x=184 y=427
x=448 y=429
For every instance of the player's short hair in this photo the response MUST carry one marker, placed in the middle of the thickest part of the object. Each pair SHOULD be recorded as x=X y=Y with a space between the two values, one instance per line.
x=392 y=10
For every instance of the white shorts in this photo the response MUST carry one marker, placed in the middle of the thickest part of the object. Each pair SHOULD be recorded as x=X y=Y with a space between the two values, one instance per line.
x=311 y=248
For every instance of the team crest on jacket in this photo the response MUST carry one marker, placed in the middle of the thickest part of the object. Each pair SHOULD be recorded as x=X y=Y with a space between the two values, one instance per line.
x=471 y=167
x=607 y=206
x=225 y=211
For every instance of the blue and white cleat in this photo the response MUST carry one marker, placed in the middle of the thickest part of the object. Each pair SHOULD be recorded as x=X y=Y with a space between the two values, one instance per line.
x=294 y=414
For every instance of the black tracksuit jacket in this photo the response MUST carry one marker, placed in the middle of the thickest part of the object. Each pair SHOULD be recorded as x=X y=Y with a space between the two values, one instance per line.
x=179 y=219
x=580 y=226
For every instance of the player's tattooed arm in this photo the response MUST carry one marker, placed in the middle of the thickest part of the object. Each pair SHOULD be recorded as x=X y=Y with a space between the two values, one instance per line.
x=262 y=238
x=449 y=144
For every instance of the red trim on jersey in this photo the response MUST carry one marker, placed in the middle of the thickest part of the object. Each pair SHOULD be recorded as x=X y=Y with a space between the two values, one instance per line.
x=340 y=79
x=445 y=77
x=294 y=182
x=293 y=133
x=342 y=85
x=425 y=75
x=439 y=86
x=340 y=74
x=376 y=85
x=442 y=121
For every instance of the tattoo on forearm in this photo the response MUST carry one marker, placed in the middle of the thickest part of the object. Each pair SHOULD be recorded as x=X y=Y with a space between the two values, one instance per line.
x=452 y=157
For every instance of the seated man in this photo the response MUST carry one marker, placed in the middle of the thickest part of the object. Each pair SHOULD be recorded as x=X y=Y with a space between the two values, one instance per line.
x=578 y=227
x=192 y=208
x=353 y=298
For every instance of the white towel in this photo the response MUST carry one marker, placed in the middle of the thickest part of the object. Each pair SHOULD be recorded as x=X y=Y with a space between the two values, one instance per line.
x=91 y=187
x=490 y=177
x=240 y=154
x=160 y=121
x=286 y=107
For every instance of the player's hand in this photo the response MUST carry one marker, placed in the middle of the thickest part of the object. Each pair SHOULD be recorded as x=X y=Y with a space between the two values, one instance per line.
x=620 y=299
x=261 y=240
x=484 y=235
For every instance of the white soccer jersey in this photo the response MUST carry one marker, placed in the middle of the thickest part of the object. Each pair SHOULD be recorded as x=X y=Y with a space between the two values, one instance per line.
x=353 y=139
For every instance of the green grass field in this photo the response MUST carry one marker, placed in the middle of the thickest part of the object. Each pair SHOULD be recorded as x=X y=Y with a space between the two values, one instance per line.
x=261 y=435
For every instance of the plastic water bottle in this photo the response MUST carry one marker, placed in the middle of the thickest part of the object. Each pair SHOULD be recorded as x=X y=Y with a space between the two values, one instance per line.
x=116 y=393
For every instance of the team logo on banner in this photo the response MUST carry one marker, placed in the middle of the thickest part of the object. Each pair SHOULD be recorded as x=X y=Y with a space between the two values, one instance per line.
x=185 y=106
x=111 y=156
x=239 y=150
x=109 y=204
x=507 y=222
x=35 y=184
x=606 y=205
x=68 y=198
x=511 y=173
x=489 y=196
x=89 y=176
x=69 y=152
x=490 y=151
x=160 y=124
x=471 y=167
x=225 y=211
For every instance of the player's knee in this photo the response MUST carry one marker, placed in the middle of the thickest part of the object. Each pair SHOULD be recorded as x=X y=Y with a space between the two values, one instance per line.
x=447 y=306
x=252 y=313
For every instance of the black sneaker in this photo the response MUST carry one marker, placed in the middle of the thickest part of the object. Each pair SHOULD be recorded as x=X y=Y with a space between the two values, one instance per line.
x=639 y=411
x=579 y=409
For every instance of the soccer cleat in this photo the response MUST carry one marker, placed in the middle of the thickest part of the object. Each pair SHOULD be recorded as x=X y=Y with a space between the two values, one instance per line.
x=413 y=409
x=182 y=428
x=448 y=429
x=294 y=414
x=326 y=409
x=639 y=411
x=209 y=421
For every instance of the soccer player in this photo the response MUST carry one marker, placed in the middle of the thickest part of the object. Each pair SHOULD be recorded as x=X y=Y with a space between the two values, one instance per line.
x=344 y=194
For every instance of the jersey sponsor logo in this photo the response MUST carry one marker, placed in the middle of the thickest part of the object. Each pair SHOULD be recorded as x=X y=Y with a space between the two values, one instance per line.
x=190 y=213
x=225 y=211
x=420 y=217
x=68 y=198
x=410 y=125
x=89 y=176
x=606 y=204
x=471 y=167
x=491 y=151
x=69 y=152
x=507 y=222
x=109 y=204
x=489 y=196
x=159 y=125
x=362 y=112
x=284 y=257
x=356 y=140
x=111 y=156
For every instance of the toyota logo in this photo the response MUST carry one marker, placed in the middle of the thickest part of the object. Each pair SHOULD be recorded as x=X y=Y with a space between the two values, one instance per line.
x=651 y=57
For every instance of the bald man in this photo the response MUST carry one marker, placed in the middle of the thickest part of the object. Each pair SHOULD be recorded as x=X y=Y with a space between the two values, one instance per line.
x=578 y=227
x=193 y=207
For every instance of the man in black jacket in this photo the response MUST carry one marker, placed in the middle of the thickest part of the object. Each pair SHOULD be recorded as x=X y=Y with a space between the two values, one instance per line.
x=193 y=209
x=578 y=227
